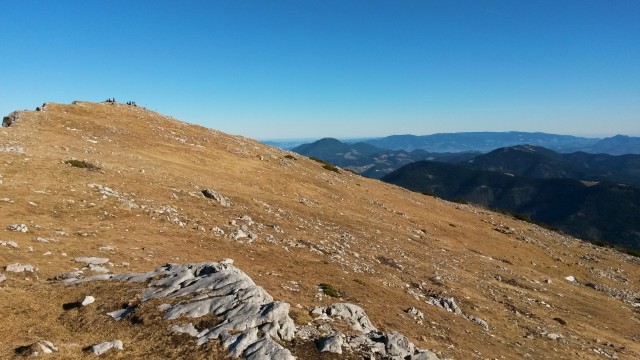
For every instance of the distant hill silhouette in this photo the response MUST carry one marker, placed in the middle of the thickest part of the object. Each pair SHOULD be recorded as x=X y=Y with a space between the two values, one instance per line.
x=538 y=162
x=487 y=141
x=606 y=211
x=369 y=160
x=616 y=145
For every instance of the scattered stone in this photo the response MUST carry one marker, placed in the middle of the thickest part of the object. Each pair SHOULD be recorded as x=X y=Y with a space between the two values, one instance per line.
x=212 y=194
x=448 y=304
x=107 y=248
x=121 y=314
x=98 y=269
x=72 y=275
x=91 y=260
x=45 y=240
x=19 y=228
x=216 y=231
x=12 y=149
x=17 y=268
x=479 y=321
x=37 y=348
x=331 y=344
x=570 y=278
x=99 y=349
x=184 y=329
x=2 y=278
x=398 y=346
x=11 y=119
x=424 y=355
x=415 y=313
x=12 y=244
x=108 y=192
x=353 y=314
x=88 y=300
x=553 y=336
x=239 y=234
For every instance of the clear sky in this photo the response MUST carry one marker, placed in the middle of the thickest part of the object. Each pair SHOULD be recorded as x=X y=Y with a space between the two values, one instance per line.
x=309 y=69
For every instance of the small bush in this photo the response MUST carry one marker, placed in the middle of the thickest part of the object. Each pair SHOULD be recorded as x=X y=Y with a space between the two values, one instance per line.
x=329 y=290
x=522 y=217
x=562 y=322
x=460 y=201
x=331 y=168
x=290 y=157
x=82 y=164
x=326 y=165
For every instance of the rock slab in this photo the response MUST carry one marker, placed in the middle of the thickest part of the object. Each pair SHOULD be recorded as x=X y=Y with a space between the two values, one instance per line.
x=251 y=322
x=99 y=349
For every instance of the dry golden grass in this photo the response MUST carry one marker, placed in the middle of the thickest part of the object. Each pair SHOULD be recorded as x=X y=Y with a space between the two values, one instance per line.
x=337 y=227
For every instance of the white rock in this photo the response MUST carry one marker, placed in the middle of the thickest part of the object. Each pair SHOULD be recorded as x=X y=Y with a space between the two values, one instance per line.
x=99 y=349
x=415 y=313
x=37 y=348
x=120 y=314
x=351 y=313
x=2 y=278
x=99 y=269
x=19 y=228
x=398 y=346
x=184 y=329
x=225 y=292
x=570 y=278
x=45 y=240
x=19 y=268
x=91 y=260
x=46 y=347
x=554 y=336
x=331 y=344
x=12 y=244
x=227 y=261
x=88 y=300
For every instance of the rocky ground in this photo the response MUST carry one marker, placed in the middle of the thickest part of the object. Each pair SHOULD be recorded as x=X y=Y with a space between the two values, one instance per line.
x=97 y=198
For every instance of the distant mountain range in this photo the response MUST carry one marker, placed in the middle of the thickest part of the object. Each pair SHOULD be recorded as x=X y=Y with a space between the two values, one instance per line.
x=603 y=211
x=538 y=162
x=371 y=161
x=592 y=196
x=487 y=141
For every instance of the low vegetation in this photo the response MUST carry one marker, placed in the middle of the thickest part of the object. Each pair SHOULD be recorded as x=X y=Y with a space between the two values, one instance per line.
x=560 y=321
x=82 y=164
x=326 y=165
x=329 y=290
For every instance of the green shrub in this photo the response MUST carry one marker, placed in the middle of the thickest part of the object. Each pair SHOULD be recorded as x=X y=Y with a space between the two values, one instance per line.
x=562 y=322
x=326 y=165
x=331 y=168
x=522 y=217
x=329 y=290
x=82 y=164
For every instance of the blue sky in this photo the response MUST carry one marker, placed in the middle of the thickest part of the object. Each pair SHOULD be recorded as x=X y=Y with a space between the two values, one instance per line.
x=309 y=69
